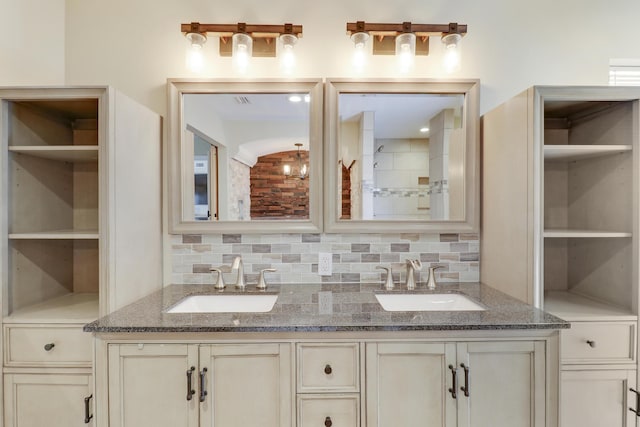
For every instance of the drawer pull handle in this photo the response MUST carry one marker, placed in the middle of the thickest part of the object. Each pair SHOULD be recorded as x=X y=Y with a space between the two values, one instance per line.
x=465 y=388
x=637 y=410
x=203 y=391
x=591 y=343
x=328 y=422
x=49 y=347
x=190 y=390
x=454 y=382
x=87 y=417
x=327 y=369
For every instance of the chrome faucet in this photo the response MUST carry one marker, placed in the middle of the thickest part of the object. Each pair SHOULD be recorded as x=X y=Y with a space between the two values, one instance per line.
x=237 y=264
x=412 y=266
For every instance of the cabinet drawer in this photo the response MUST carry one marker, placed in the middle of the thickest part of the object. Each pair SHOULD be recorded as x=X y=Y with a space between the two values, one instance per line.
x=599 y=342
x=328 y=410
x=30 y=345
x=328 y=367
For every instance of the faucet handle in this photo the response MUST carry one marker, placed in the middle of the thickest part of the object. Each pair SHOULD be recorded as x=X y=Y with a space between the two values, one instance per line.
x=222 y=268
x=388 y=284
x=262 y=284
x=220 y=282
x=431 y=282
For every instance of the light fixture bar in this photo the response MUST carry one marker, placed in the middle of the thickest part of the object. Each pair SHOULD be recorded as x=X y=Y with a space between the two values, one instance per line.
x=256 y=31
x=264 y=36
x=420 y=30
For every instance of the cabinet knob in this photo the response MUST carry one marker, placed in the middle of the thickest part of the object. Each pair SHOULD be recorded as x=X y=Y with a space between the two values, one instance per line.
x=591 y=343
x=327 y=369
x=328 y=422
x=49 y=347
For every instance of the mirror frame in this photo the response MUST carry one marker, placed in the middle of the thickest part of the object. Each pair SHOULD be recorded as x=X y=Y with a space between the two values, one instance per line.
x=470 y=88
x=176 y=88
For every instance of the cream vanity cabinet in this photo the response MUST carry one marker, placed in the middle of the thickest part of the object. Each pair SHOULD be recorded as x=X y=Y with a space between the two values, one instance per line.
x=456 y=384
x=335 y=383
x=199 y=385
x=80 y=236
x=561 y=230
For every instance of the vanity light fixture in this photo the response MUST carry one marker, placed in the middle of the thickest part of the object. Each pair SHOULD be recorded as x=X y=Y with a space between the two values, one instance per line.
x=247 y=41
x=424 y=129
x=303 y=170
x=405 y=40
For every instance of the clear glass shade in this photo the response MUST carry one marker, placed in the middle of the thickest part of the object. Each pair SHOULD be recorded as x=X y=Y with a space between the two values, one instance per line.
x=405 y=49
x=287 y=53
x=195 y=54
x=242 y=50
x=451 y=58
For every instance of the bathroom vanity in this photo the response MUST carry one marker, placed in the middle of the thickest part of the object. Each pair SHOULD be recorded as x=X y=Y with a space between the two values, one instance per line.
x=328 y=355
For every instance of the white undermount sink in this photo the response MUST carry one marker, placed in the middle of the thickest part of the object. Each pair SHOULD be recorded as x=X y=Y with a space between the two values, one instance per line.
x=427 y=302
x=229 y=303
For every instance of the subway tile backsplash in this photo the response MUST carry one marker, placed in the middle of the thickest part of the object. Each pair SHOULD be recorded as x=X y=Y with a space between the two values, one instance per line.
x=295 y=256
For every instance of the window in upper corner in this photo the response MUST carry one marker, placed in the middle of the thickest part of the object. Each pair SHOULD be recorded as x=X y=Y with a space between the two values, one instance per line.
x=624 y=72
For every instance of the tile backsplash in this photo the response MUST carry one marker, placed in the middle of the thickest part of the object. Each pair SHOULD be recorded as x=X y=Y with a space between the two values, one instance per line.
x=295 y=256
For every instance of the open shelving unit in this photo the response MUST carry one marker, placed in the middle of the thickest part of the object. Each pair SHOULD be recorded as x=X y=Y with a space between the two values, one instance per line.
x=588 y=206
x=561 y=230
x=53 y=204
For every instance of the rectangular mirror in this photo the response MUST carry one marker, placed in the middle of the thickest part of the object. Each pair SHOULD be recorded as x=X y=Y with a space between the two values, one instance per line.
x=245 y=156
x=402 y=156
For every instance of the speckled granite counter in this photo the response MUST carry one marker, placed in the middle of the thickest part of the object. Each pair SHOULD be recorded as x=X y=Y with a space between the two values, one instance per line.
x=355 y=308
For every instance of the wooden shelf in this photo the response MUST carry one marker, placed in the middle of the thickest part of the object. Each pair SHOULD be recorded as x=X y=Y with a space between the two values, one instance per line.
x=566 y=153
x=57 y=235
x=66 y=153
x=567 y=233
x=70 y=308
x=574 y=307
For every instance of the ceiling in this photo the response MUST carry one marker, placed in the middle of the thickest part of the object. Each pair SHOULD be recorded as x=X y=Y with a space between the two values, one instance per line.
x=263 y=123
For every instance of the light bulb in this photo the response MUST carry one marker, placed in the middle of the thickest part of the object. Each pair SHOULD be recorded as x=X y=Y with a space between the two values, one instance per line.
x=303 y=171
x=287 y=56
x=287 y=170
x=405 y=50
x=242 y=50
x=195 y=55
x=451 y=59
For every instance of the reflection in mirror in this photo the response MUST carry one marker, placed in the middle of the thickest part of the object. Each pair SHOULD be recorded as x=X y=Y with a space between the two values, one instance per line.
x=245 y=156
x=250 y=156
x=401 y=156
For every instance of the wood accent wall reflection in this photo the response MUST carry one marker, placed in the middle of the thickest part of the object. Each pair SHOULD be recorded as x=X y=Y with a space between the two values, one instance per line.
x=275 y=196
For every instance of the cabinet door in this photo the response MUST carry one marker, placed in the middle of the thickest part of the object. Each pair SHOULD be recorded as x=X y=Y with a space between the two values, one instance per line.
x=407 y=384
x=597 y=398
x=505 y=383
x=148 y=385
x=247 y=385
x=53 y=400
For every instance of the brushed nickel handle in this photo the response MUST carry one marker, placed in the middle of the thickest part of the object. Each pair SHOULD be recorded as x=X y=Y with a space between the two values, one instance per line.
x=454 y=382
x=49 y=347
x=591 y=343
x=465 y=388
x=637 y=410
x=87 y=416
x=327 y=369
x=190 y=390
x=203 y=391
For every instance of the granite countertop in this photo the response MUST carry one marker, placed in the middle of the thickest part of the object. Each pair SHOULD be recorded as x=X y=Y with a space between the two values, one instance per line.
x=355 y=308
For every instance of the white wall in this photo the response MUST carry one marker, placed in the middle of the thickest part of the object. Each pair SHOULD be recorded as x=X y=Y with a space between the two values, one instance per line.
x=32 y=42
x=136 y=44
